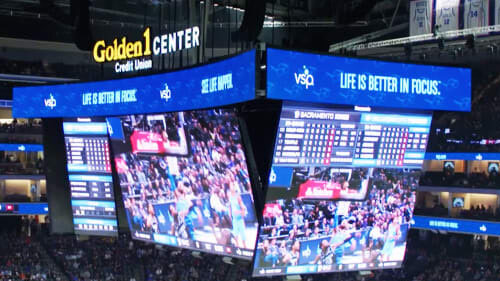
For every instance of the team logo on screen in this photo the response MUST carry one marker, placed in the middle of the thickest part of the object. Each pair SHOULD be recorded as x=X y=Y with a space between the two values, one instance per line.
x=110 y=128
x=50 y=102
x=307 y=252
x=304 y=78
x=161 y=218
x=166 y=94
x=272 y=176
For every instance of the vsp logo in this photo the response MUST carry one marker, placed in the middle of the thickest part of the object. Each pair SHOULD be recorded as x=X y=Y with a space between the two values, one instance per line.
x=50 y=102
x=272 y=176
x=110 y=128
x=161 y=218
x=305 y=78
x=307 y=252
x=166 y=94
x=21 y=148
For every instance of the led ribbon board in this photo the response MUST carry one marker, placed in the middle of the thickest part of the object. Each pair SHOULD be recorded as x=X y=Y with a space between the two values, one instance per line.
x=461 y=156
x=339 y=80
x=217 y=84
x=457 y=225
x=22 y=147
x=24 y=209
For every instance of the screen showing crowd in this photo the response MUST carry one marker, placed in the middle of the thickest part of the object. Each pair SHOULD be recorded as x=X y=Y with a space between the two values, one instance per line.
x=308 y=236
x=341 y=190
x=185 y=181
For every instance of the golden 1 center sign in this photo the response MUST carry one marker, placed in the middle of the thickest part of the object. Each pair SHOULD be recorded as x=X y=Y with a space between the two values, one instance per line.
x=136 y=56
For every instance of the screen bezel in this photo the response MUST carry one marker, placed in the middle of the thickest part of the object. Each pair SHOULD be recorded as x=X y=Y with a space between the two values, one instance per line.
x=75 y=231
x=458 y=198
x=253 y=176
x=285 y=103
x=445 y=163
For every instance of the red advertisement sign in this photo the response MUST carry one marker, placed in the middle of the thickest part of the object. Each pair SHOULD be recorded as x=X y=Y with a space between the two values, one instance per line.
x=319 y=190
x=271 y=209
x=147 y=142
x=121 y=165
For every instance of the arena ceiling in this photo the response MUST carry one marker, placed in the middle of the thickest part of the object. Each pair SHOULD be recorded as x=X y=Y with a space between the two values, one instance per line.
x=45 y=30
x=50 y=20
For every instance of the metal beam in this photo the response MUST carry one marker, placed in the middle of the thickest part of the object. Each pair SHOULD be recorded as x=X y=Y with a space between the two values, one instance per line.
x=452 y=34
x=31 y=79
x=17 y=43
x=367 y=37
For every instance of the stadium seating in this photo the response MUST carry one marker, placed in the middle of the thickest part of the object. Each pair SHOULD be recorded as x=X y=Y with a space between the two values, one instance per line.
x=62 y=257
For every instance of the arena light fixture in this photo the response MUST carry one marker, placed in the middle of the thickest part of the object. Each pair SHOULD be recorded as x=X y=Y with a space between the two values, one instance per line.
x=450 y=35
x=30 y=79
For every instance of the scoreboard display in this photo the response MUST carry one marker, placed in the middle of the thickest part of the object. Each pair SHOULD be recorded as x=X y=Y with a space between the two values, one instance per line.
x=325 y=153
x=90 y=176
x=341 y=190
x=323 y=137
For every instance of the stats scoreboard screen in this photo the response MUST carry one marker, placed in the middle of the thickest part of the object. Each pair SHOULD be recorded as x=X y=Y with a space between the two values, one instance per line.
x=341 y=190
x=323 y=153
x=90 y=176
x=341 y=137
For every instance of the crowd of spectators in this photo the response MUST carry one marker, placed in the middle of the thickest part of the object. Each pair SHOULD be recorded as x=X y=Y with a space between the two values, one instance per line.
x=123 y=259
x=453 y=140
x=429 y=257
x=435 y=257
x=478 y=212
x=22 y=131
x=43 y=68
x=27 y=126
x=474 y=131
x=22 y=258
x=18 y=139
x=10 y=164
x=472 y=180
x=93 y=259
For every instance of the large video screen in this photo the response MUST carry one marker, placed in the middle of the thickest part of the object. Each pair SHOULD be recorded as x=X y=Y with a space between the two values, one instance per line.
x=341 y=190
x=90 y=177
x=185 y=181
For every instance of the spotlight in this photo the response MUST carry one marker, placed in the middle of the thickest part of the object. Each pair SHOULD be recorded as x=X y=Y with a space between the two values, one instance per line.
x=408 y=50
x=436 y=29
x=469 y=41
x=441 y=44
x=492 y=49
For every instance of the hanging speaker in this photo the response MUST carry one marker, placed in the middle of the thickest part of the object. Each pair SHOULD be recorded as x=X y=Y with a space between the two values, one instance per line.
x=83 y=34
x=78 y=19
x=253 y=21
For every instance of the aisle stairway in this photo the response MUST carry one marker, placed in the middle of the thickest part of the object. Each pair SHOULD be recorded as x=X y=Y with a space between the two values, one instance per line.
x=48 y=259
